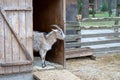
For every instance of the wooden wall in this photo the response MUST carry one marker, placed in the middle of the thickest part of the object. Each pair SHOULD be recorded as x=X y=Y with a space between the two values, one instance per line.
x=46 y=13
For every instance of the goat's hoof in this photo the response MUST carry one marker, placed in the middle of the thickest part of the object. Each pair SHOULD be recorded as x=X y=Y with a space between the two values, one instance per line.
x=43 y=66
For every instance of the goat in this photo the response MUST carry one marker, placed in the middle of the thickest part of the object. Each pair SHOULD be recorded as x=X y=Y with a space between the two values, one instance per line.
x=42 y=43
x=79 y=18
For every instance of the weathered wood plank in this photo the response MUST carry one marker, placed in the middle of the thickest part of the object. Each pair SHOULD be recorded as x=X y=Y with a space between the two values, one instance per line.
x=54 y=75
x=100 y=42
x=2 y=54
x=104 y=49
x=63 y=19
x=99 y=35
x=29 y=30
x=78 y=26
x=22 y=32
x=8 y=64
x=64 y=27
x=100 y=19
x=15 y=35
x=70 y=38
x=8 y=38
x=15 y=45
x=73 y=27
x=78 y=44
x=73 y=23
x=18 y=9
x=78 y=52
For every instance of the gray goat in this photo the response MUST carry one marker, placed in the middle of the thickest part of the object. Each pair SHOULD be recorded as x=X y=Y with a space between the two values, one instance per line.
x=42 y=43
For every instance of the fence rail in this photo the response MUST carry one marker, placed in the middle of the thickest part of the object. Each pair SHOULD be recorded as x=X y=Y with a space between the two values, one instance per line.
x=75 y=40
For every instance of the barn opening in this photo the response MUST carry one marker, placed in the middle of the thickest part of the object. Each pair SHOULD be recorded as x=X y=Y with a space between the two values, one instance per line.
x=46 y=13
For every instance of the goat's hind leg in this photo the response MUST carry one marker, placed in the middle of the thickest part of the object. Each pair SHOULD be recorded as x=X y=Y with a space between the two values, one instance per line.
x=43 y=55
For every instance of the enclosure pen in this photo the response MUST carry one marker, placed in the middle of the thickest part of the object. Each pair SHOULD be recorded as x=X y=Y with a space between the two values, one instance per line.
x=86 y=37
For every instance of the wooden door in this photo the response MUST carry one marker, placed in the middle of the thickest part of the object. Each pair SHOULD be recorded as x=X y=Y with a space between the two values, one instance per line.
x=16 y=53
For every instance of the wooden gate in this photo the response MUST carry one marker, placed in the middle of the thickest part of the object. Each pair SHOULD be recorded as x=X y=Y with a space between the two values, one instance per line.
x=15 y=36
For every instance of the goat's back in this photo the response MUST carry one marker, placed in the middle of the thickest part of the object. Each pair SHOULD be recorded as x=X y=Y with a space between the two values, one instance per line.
x=37 y=39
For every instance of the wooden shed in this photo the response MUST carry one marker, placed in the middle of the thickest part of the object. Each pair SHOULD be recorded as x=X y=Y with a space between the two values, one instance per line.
x=18 y=19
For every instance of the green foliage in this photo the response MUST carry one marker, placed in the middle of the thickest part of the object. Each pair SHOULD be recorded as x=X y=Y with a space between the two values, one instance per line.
x=92 y=11
x=79 y=6
x=91 y=1
x=102 y=14
x=104 y=7
x=118 y=6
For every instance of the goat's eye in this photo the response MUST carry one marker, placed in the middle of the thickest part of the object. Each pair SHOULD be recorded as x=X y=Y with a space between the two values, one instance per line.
x=61 y=33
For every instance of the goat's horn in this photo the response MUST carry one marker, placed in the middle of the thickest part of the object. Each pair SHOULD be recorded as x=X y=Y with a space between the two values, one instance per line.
x=57 y=27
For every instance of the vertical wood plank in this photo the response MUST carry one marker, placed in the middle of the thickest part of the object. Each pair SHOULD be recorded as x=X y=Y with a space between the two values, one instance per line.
x=63 y=22
x=8 y=39
x=22 y=32
x=1 y=40
x=29 y=30
x=15 y=46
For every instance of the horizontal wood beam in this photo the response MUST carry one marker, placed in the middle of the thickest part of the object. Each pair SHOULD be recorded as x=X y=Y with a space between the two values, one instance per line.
x=75 y=24
x=17 y=9
x=72 y=37
x=100 y=19
x=8 y=64
x=77 y=44
x=78 y=36
x=107 y=49
x=78 y=52
x=99 y=35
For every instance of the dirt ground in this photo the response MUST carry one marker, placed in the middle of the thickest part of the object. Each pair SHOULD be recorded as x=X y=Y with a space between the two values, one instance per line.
x=105 y=67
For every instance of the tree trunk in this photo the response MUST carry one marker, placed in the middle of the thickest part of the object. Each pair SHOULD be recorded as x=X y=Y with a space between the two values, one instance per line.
x=117 y=12
x=109 y=8
x=85 y=8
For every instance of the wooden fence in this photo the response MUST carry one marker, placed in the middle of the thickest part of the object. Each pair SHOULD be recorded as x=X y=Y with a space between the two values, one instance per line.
x=101 y=39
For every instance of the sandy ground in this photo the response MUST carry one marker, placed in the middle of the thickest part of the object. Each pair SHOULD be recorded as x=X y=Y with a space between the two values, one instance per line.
x=105 y=67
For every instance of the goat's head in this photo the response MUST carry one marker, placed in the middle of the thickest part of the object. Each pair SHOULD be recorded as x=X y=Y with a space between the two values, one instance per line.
x=58 y=32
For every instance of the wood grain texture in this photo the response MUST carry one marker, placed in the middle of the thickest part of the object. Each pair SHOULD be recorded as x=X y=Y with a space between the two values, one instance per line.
x=77 y=44
x=54 y=75
x=22 y=46
x=15 y=45
x=100 y=19
x=78 y=52
x=13 y=36
x=8 y=38
x=22 y=31
x=29 y=30
x=2 y=54
x=16 y=64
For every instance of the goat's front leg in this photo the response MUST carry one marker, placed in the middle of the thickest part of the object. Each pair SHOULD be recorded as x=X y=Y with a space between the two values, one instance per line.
x=43 y=55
